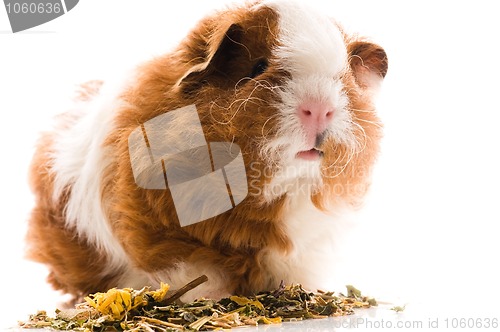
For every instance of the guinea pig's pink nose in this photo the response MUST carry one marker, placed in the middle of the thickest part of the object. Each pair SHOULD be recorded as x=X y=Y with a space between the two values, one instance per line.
x=315 y=118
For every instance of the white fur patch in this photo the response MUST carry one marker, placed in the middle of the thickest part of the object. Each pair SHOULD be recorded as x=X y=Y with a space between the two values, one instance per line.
x=316 y=238
x=79 y=160
x=137 y=278
x=310 y=42
x=312 y=49
x=297 y=177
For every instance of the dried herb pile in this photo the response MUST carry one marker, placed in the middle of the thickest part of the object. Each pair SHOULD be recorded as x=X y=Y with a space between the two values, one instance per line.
x=146 y=310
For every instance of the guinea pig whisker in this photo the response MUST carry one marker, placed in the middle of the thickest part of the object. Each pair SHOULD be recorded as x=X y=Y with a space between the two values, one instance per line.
x=377 y=124
x=243 y=80
x=342 y=167
x=365 y=137
x=363 y=111
x=334 y=163
x=265 y=84
x=242 y=104
x=261 y=83
x=264 y=135
x=242 y=101
x=349 y=155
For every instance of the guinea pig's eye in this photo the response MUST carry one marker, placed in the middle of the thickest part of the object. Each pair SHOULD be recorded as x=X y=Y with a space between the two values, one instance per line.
x=259 y=68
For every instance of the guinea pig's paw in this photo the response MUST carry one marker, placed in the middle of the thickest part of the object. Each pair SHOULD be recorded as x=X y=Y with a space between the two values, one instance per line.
x=216 y=287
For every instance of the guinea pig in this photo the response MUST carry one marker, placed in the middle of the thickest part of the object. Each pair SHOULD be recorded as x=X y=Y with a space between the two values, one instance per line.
x=282 y=86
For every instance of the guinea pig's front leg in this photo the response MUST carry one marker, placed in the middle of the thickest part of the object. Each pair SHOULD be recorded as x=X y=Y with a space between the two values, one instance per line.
x=222 y=281
x=168 y=255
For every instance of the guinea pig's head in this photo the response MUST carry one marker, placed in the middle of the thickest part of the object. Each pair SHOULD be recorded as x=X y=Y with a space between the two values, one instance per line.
x=292 y=90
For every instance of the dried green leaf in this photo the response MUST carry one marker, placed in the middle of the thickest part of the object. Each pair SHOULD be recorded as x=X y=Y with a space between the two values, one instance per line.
x=353 y=291
x=145 y=310
x=399 y=308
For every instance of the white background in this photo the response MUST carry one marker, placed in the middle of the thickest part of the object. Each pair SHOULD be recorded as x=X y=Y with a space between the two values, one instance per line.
x=429 y=229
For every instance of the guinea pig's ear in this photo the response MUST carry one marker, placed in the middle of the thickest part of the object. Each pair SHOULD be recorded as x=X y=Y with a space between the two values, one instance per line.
x=369 y=63
x=216 y=50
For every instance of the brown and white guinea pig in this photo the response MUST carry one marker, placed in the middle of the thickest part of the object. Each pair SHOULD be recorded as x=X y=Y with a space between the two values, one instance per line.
x=282 y=82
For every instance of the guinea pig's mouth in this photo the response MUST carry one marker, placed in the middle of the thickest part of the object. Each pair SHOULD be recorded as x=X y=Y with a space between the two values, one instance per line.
x=313 y=154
